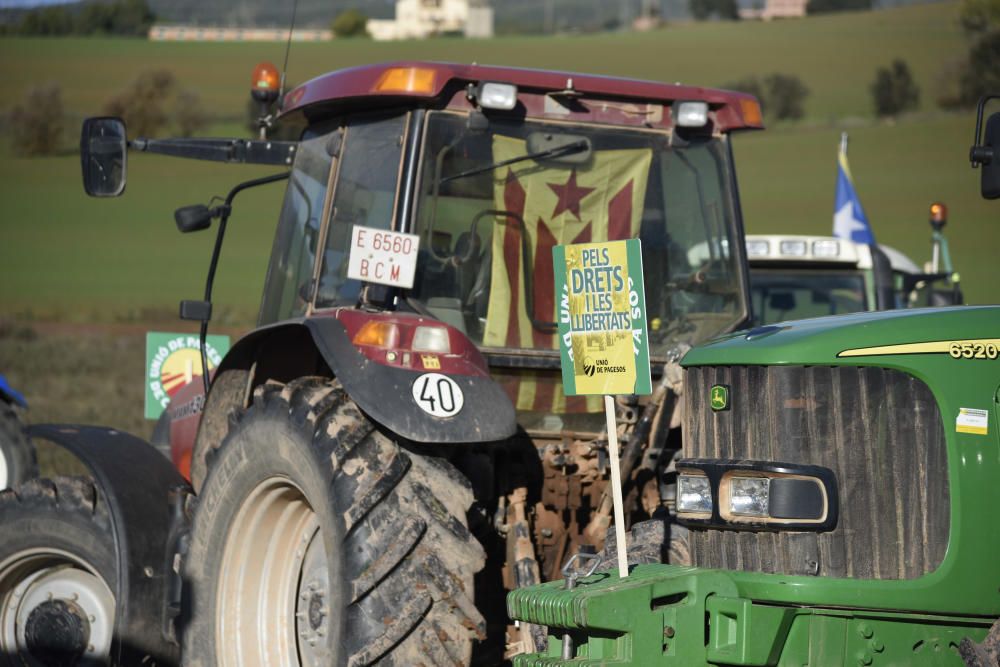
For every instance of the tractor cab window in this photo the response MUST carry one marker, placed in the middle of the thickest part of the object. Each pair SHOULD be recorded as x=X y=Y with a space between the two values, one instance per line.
x=779 y=295
x=494 y=198
x=293 y=257
x=367 y=181
x=365 y=193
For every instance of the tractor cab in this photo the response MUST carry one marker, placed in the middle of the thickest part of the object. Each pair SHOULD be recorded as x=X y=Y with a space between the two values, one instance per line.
x=484 y=170
x=794 y=277
x=438 y=191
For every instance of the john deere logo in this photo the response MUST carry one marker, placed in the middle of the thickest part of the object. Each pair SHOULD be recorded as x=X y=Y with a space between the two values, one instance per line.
x=720 y=397
x=588 y=366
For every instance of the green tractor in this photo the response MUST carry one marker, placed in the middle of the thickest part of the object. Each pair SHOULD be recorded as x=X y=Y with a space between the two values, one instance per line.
x=390 y=451
x=836 y=498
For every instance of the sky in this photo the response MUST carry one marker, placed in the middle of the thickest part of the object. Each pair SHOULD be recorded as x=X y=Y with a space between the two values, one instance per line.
x=9 y=4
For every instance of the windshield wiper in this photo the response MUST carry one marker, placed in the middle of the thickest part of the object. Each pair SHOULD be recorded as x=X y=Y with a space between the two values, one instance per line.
x=559 y=151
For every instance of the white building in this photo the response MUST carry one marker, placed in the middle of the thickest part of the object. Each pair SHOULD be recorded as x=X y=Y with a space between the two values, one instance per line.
x=418 y=19
x=189 y=33
x=776 y=9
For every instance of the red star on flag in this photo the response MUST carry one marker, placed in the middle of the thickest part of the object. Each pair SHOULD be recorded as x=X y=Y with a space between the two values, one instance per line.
x=569 y=195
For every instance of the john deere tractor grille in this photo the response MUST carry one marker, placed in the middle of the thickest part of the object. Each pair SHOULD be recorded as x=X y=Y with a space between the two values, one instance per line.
x=878 y=430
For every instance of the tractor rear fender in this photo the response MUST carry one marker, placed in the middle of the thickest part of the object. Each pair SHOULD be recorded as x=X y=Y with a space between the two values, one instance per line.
x=321 y=346
x=145 y=497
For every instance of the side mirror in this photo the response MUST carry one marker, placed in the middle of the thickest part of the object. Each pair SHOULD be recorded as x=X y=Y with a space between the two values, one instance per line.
x=103 y=146
x=193 y=218
x=990 y=176
x=987 y=154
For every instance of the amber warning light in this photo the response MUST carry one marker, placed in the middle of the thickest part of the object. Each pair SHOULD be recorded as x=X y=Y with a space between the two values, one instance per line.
x=751 y=112
x=939 y=212
x=265 y=82
x=406 y=80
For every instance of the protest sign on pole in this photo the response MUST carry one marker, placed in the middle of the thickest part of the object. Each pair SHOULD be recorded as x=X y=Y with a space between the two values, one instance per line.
x=603 y=338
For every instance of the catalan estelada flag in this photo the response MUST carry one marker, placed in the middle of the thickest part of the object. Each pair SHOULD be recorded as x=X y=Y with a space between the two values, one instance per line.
x=601 y=200
x=849 y=219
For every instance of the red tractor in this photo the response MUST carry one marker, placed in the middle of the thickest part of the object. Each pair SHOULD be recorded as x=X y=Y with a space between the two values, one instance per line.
x=392 y=449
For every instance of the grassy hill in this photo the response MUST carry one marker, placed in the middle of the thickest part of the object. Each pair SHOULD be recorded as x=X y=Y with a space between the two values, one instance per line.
x=835 y=55
x=512 y=16
x=67 y=256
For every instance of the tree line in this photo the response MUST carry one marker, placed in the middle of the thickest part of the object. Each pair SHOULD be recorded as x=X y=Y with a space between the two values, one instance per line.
x=120 y=17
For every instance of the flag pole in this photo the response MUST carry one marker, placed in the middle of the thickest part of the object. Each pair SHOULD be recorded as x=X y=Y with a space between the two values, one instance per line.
x=843 y=144
x=616 y=486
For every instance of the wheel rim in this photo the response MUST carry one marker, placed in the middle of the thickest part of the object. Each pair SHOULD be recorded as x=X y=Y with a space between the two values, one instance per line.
x=45 y=589
x=272 y=605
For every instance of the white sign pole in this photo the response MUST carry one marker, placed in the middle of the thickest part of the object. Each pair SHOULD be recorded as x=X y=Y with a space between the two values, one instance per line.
x=616 y=486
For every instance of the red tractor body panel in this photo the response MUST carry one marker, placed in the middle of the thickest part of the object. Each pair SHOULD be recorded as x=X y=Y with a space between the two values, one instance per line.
x=444 y=84
x=397 y=350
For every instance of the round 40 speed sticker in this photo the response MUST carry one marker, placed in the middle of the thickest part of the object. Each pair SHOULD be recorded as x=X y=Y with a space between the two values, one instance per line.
x=438 y=395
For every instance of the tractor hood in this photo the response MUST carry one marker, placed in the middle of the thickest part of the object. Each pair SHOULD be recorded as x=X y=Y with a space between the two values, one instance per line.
x=853 y=338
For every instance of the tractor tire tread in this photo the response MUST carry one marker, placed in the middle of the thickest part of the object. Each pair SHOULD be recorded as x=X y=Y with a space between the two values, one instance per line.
x=64 y=494
x=409 y=559
x=650 y=541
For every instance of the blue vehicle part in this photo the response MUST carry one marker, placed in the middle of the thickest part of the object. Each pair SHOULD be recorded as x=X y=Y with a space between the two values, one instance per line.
x=10 y=395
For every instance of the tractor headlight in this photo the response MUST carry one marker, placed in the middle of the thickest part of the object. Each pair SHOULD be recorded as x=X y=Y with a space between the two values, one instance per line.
x=748 y=496
x=694 y=495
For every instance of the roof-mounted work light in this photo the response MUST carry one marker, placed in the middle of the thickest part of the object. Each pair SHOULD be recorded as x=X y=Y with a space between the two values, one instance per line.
x=758 y=248
x=690 y=114
x=493 y=95
x=796 y=248
x=826 y=248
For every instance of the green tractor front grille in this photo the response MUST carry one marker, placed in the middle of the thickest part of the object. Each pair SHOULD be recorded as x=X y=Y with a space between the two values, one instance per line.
x=879 y=431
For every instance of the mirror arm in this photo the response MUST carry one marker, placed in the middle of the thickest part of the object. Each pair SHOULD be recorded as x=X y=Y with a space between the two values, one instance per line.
x=979 y=154
x=224 y=211
x=243 y=151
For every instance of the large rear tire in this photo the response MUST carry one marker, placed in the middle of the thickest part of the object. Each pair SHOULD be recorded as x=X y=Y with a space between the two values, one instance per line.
x=57 y=574
x=319 y=540
x=17 y=454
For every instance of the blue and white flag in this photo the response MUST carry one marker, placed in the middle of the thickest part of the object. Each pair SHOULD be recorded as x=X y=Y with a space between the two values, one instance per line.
x=849 y=219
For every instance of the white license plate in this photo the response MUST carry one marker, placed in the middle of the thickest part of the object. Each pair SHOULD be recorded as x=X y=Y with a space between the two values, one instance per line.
x=383 y=257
